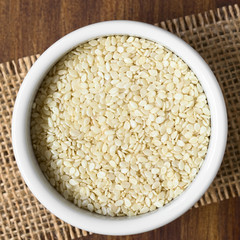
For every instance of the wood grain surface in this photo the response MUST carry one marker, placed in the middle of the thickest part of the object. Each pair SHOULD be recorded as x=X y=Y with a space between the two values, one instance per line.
x=28 y=27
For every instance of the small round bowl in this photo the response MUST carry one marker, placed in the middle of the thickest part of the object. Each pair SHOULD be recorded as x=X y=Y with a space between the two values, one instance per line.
x=66 y=210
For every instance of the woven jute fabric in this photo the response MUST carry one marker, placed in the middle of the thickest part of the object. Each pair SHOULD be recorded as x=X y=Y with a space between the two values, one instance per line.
x=215 y=35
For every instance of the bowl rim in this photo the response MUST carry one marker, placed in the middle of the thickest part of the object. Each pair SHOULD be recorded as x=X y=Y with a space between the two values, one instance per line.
x=67 y=211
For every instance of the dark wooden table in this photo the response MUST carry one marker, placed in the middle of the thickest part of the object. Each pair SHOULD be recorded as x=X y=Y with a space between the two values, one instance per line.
x=30 y=26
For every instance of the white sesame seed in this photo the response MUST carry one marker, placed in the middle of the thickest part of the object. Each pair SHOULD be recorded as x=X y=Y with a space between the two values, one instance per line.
x=127 y=202
x=120 y=126
x=73 y=182
x=101 y=174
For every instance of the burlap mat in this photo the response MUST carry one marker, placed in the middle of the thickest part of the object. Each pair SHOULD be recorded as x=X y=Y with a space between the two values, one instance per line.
x=215 y=35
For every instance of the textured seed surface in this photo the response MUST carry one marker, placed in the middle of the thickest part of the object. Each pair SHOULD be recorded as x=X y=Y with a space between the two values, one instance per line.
x=120 y=126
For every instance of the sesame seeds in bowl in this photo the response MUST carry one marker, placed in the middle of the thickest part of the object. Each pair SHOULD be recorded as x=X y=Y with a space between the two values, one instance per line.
x=120 y=126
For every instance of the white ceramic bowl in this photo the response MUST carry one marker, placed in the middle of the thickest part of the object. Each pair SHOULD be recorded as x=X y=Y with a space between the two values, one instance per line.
x=64 y=209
